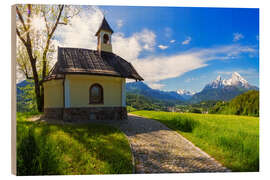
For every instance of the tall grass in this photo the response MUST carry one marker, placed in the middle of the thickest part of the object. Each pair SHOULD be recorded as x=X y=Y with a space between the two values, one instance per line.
x=47 y=149
x=232 y=140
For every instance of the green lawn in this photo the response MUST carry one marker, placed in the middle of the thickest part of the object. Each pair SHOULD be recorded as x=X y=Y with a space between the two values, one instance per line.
x=232 y=140
x=70 y=149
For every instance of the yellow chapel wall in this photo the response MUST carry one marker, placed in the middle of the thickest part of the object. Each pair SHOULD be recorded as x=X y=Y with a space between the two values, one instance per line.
x=79 y=90
x=53 y=94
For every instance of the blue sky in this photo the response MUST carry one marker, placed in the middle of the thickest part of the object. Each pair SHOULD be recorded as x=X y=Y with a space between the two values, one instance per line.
x=177 y=47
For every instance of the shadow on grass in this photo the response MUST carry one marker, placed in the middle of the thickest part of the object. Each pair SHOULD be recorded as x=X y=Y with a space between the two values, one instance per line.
x=109 y=149
x=37 y=154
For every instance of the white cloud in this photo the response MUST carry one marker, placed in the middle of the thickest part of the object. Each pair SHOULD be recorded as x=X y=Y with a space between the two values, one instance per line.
x=156 y=85
x=172 y=41
x=237 y=36
x=163 y=47
x=119 y=23
x=187 y=41
x=81 y=33
x=81 y=30
x=155 y=69
x=130 y=47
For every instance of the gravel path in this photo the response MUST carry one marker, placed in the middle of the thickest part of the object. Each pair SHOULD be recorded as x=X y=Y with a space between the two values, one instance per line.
x=158 y=149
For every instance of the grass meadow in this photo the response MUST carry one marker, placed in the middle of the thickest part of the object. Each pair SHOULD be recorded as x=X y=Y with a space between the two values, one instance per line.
x=230 y=139
x=48 y=149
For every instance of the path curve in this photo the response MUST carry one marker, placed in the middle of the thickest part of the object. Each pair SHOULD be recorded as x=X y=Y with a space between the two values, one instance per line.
x=158 y=149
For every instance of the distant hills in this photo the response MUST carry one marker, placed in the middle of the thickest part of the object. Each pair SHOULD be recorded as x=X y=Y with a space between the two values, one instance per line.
x=217 y=90
x=25 y=96
x=142 y=89
x=245 y=104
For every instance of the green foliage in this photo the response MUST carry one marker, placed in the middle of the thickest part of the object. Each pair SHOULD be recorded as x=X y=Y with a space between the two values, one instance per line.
x=232 y=140
x=195 y=110
x=141 y=102
x=201 y=107
x=26 y=98
x=131 y=109
x=245 y=104
x=48 y=149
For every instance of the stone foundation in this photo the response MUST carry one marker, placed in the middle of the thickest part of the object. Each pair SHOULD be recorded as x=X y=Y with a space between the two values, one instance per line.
x=53 y=113
x=86 y=114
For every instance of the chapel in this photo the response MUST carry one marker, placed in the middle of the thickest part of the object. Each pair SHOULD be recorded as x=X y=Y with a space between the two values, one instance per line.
x=86 y=84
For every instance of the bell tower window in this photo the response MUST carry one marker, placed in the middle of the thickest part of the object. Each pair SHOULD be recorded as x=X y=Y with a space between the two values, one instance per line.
x=106 y=39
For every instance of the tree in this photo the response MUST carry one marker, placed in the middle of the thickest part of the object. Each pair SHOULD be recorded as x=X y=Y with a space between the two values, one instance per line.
x=35 y=44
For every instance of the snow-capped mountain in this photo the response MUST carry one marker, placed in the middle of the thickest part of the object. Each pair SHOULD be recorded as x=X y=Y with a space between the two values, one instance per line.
x=223 y=89
x=185 y=93
x=236 y=80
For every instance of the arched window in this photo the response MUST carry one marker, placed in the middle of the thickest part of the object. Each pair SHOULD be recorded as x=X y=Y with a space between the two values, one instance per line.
x=96 y=94
x=105 y=39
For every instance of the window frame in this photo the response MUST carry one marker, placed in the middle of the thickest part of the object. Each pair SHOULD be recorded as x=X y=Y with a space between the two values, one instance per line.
x=100 y=93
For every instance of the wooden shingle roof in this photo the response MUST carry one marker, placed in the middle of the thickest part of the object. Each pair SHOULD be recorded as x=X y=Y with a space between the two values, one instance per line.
x=85 y=61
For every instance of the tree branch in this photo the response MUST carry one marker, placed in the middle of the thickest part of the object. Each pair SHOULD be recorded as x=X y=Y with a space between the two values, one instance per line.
x=29 y=7
x=61 y=7
x=62 y=23
x=21 y=38
x=21 y=18
x=44 y=62
x=46 y=22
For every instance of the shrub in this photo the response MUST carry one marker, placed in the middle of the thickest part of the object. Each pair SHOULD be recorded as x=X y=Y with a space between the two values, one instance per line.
x=196 y=111
x=130 y=109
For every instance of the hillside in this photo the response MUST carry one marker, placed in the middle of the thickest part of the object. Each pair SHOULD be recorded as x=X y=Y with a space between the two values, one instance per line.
x=25 y=96
x=142 y=89
x=141 y=102
x=244 y=104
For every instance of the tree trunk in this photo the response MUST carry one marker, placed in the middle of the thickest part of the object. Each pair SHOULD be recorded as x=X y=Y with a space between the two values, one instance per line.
x=38 y=98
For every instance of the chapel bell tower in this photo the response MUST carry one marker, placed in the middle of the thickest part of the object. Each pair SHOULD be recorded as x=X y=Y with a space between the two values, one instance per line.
x=104 y=34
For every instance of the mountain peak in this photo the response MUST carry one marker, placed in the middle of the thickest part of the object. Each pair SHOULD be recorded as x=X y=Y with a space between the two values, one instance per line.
x=236 y=74
x=224 y=90
x=218 y=78
x=185 y=93
x=236 y=80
